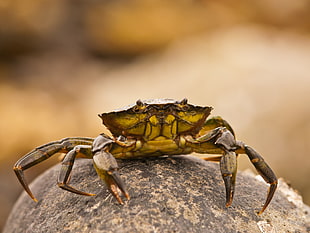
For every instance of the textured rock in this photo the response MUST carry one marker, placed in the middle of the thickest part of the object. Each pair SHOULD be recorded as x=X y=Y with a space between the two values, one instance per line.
x=178 y=194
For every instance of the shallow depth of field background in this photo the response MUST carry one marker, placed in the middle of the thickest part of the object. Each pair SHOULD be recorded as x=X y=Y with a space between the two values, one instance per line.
x=63 y=62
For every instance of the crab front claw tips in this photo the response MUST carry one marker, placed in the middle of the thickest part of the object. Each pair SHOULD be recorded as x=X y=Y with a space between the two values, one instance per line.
x=114 y=182
x=107 y=169
x=228 y=165
x=229 y=189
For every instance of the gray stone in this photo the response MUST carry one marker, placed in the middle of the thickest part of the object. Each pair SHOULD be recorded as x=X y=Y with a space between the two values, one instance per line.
x=176 y=194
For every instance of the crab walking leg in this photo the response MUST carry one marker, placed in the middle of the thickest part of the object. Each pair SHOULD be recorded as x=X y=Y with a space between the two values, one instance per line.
x=213 y=158
x=265 y=171
x=107 y=168
x=222 y=140
x=42 y=153
x=67 y=164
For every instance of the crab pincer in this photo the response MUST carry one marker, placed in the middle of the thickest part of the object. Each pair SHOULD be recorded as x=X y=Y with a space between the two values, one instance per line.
x=107 y=169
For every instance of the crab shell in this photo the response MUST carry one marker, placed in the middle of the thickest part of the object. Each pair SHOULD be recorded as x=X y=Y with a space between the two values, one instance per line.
x=138 y=119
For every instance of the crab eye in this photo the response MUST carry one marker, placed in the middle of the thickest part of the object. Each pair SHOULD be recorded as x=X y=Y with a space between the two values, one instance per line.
x=140 y=106
x=182 y=105
x=139 y=103
x=183 y=101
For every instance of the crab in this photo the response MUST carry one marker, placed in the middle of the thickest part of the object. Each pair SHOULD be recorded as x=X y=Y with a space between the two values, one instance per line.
x=146 y=129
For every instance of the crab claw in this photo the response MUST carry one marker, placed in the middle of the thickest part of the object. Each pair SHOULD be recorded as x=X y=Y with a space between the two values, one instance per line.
x=228 y=165
x=107 y=169
x=113 y=181
x=229 y=189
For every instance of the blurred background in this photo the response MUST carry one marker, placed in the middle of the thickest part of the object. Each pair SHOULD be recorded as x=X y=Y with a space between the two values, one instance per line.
x=62 y=62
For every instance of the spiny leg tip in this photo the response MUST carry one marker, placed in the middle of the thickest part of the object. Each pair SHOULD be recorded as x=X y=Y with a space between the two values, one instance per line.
x=120 y=201
x=228 y=203
x=32 y=196
x=229 y=198
x=261 y=211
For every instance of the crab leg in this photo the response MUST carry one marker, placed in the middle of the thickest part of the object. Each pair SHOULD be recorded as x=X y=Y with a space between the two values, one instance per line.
x=265 y=171
x=213 y=123
x=66 y=167
x=222 y=140
x=213 y=158
x=42 y=153
x=107 y=168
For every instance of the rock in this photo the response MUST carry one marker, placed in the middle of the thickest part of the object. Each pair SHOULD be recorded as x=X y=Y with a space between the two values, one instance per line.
x=29 y=25
x=176 y=194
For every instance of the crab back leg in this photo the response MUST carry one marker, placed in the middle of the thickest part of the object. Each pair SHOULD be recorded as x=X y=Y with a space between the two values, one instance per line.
x=44 y=152
x=226 y=142
x=107 y=168
x=222 y=140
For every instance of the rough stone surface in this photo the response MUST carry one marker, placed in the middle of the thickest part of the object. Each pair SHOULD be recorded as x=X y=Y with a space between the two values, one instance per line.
x=178 y=194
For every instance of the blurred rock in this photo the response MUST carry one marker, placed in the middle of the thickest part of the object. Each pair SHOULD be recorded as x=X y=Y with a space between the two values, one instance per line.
x=138 y=26
x=178 y=194
x=24 y=25
x=131 y=27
